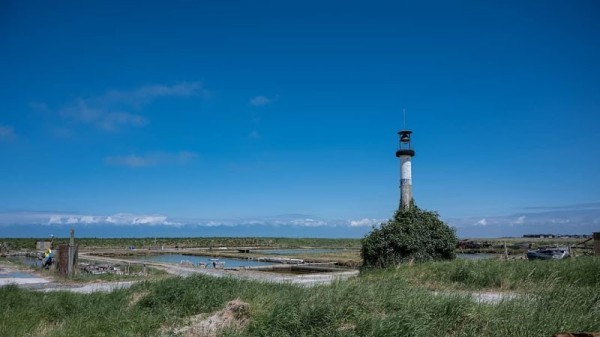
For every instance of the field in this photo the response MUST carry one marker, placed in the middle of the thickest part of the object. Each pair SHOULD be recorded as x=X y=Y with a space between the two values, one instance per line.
x=514 y=246
x=430 y=299
x=212 y=242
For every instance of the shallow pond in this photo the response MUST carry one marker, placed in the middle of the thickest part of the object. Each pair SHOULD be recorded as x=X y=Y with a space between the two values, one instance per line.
x=30 y=261
x=300 y=251
x=16 y=275
x=195 y=259
x=478 y=256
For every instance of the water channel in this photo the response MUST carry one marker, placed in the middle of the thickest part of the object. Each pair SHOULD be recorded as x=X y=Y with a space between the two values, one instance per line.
x=195 y=259
x=300 y=251
x=478 y=256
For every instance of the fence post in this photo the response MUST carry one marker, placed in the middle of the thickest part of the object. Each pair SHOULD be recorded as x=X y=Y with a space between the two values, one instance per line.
x=70 y=266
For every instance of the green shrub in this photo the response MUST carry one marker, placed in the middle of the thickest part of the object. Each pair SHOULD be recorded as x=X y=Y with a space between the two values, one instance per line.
x=412 y=234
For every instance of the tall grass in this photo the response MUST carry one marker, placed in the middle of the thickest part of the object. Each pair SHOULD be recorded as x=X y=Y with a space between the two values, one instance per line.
x=513 y=275
x=377 y=303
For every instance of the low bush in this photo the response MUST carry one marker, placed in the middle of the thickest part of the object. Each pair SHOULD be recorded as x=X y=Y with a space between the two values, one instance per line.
x=412 y=234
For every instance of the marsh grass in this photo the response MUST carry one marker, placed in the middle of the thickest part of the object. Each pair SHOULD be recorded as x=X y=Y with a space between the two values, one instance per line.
x=391 y=302
x=507 y=275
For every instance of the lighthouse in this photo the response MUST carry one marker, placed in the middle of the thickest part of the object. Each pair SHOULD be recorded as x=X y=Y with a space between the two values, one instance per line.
x=405 y=153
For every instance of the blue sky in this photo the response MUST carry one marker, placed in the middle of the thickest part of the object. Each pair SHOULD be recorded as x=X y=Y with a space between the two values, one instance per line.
x=280 y=118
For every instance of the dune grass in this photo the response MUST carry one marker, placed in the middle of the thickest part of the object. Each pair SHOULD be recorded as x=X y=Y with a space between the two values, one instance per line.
x=554 y=296
x=506 y=275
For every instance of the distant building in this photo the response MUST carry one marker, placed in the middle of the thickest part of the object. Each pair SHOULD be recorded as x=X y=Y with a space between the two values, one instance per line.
x=43 y=245
x=552 y=236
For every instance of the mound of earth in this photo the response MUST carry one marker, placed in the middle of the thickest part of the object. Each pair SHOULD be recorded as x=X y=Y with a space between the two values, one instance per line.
x=234 y=316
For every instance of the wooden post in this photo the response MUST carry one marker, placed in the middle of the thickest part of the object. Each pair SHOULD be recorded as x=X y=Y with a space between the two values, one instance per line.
x=596 y=237
x=571 y=253
x=71 y=265
x=505 y=251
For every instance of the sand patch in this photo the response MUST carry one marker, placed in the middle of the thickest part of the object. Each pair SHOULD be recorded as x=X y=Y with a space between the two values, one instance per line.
x=136 y=297
x=347 y=327
x=46 y=328
x=234 y=316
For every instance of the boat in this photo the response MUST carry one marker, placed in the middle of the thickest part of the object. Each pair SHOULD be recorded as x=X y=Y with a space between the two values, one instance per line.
x=548 y=253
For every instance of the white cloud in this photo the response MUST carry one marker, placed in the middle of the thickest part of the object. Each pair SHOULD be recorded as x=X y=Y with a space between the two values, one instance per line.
x=305 y=222
x=130 y=219
x=482 y=222
x=68 y=218
x=146 y=94
x=260 y=101
x=556 y=220
x=297 y=220
x=365 y=222
x=101 y=117
x=113 y=110
x=6 y=132
x=277 y=221
x=151 y=159
x=520 y=220
x=124 y=219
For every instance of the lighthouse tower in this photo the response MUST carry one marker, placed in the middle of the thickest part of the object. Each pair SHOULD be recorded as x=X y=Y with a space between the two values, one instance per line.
x=405 y=153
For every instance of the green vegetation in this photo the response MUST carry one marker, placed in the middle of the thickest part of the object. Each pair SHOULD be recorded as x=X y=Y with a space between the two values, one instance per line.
x=29 y=243
x=519 y=275
x=552 y=296
x=516 y=246
x=412 y=234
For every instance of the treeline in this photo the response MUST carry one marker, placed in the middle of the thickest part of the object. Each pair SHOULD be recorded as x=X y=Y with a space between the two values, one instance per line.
x=191 y=242
x=551 y=236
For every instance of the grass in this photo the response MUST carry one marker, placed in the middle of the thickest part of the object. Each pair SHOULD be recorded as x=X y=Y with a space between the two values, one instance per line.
x=505 y=275
x=556 y=296
x=121 y=243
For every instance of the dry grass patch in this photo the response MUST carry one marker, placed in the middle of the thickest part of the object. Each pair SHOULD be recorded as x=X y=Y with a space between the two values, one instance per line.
x=136 y=297
x=234 y=316
x=46 y=328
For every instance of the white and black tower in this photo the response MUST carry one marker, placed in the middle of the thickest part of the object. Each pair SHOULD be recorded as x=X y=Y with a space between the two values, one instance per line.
x=405 y=153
